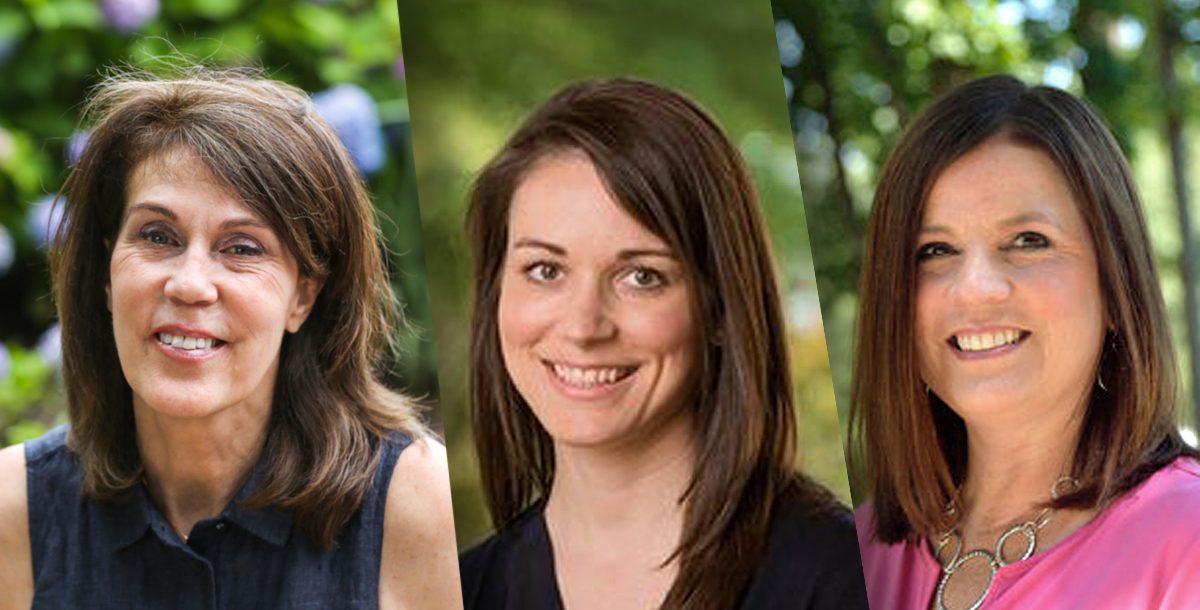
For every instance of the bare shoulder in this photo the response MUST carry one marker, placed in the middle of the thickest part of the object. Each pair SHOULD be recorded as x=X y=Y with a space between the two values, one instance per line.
x=16 y=566
x=419 y=566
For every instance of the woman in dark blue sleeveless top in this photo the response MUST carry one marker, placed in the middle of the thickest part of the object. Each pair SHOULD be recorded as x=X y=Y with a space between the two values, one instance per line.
x=222 y=304
x=630 y=392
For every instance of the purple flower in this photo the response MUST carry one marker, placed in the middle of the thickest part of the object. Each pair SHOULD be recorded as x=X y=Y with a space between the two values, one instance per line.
x=398 y=68
x=8 y=250
x=126 y=16
x=354 y=116
x=5 y=362
x=76 y=144
x=44 y=218
x=49 y=345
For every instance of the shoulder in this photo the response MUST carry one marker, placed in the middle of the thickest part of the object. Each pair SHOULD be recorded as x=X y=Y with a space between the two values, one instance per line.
x=418 y=566
x=1166 y=503
x=16 y=565
x=812 y=554
x=1169 y=496
x=515 y=555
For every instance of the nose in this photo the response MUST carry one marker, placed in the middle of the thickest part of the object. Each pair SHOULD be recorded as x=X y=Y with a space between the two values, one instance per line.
x=983 y=278
x=587 y=317
x=191 y=281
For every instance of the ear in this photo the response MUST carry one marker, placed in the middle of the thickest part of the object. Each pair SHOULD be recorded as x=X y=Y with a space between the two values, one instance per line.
x=307 y=291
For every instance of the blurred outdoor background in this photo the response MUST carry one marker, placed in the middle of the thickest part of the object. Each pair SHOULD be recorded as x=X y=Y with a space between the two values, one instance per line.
x=476 y=69
x=856 y=72
x=345 y=53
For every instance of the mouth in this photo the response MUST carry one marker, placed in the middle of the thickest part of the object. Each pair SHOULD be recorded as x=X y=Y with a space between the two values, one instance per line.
x=986 y=341
x=589 y=377
x=185 y=342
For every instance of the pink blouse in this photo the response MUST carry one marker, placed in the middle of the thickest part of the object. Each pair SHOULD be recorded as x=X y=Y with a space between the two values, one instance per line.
x=1142 y=552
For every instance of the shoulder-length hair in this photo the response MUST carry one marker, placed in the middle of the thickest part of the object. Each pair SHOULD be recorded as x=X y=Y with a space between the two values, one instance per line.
x=265 y=142
x=669 y=166
x=915 y=446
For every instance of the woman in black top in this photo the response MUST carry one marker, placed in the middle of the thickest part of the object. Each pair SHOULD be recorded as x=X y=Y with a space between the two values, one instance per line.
x=630 y=391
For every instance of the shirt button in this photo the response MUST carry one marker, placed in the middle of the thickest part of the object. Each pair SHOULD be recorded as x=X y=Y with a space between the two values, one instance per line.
x=220 y=526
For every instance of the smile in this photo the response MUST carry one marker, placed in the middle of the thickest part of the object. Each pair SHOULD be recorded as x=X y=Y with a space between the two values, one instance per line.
x=590 y=377
x=987 y=341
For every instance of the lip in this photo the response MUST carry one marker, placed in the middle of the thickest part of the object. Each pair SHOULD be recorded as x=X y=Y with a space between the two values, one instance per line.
x=187 y=356
x=595 y=392
x=995 y=352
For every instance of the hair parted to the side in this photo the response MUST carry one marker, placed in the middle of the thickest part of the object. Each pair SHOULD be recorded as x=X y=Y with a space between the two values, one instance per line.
x=915 y=446
x=266 y=143
x=669 y=166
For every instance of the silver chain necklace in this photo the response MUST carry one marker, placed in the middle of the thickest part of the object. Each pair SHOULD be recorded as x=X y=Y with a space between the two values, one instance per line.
x=995 y=558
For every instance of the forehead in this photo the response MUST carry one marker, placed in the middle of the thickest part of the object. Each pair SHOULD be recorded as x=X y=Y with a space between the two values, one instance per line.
x=180 y=181
x=1002 y=180
x=563 y=199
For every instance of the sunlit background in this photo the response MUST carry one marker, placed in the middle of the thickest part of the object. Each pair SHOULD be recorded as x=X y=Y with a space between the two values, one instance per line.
x=476 y=68
x=856 y=72
x=346 y=54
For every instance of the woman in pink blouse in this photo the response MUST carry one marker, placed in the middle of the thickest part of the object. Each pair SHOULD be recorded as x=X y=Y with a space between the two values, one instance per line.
x=1015 y=386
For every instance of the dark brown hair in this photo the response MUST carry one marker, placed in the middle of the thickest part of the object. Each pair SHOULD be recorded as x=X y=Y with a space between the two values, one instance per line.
x=915 y=446
x=671 y=168
x=265 y=142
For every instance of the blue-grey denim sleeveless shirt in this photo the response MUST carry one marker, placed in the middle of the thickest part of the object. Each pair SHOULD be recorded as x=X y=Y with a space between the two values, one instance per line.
x=100 y=556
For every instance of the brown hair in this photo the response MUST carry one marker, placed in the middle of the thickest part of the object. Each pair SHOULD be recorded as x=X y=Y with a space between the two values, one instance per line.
x=668 y=165
x=915 y=446
x=264 y=140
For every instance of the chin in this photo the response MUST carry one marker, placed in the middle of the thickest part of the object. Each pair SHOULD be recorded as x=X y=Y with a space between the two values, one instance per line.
x=195 y=405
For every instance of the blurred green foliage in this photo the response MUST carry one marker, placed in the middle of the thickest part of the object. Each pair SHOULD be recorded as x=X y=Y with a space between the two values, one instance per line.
x=859 y=70
x=52 y=51
x=476 y=68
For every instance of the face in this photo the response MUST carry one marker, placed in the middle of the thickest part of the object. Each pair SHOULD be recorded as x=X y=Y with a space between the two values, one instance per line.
x=596 y=320
x=1010 y=321
x=201 y=292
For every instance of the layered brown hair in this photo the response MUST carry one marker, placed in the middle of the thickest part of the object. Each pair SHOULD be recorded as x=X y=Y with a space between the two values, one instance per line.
x=668 y=164
x=264 y=141
x=915 y=446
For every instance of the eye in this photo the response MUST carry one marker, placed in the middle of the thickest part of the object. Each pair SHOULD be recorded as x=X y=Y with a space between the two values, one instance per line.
x=644 y=278
x=543 y=272
x=1030 y=240
x=935 y=249
x=244 y=248
x=156 y=235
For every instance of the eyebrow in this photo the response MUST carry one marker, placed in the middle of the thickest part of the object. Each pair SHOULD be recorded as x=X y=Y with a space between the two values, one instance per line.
x=239 y=221
x=629 y=253
x=1019 y=219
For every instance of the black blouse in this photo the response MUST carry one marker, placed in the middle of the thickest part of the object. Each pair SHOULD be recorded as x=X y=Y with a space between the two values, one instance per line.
x=117 y=556
x=811 y=562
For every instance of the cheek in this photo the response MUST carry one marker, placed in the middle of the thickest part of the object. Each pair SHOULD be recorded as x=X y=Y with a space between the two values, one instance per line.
x=522 y=316
x=929 y=334
x=665 y=328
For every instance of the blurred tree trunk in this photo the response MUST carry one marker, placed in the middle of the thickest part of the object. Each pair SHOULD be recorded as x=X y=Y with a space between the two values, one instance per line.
x=1188 y=263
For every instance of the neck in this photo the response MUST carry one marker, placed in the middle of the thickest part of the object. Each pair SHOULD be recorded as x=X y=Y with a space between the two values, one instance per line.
x=194 y=467
x=1012 y=468
x=616 y=498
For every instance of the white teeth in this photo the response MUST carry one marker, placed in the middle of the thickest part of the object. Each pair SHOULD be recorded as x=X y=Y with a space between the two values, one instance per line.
x=183 y=342
x=986 y=341
x=589 y=377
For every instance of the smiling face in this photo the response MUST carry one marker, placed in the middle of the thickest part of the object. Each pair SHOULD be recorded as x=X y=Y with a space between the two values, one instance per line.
x=201 y=291
x=1010 y=321
x=595 y=313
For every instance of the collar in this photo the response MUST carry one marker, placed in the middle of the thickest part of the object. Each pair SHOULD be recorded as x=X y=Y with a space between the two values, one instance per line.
x=127 y=521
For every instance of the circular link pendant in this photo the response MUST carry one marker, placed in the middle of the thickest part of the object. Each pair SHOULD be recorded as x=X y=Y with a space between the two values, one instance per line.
x=948 y=575
x=1030 y=543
